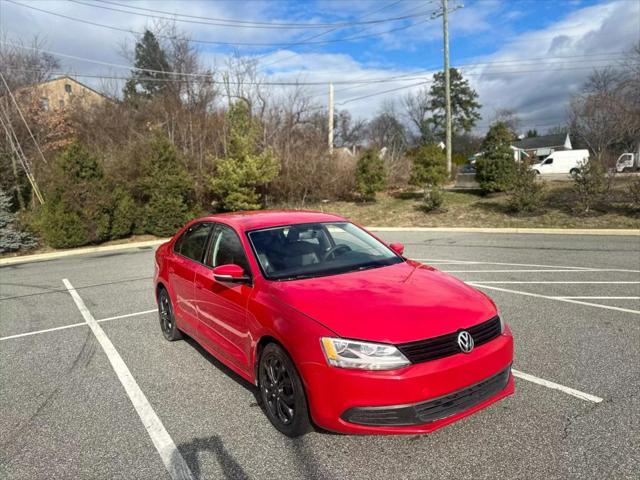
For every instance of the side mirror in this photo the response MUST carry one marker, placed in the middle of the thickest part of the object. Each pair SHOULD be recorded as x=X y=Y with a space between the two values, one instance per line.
x=397 y=247
x=230 y=273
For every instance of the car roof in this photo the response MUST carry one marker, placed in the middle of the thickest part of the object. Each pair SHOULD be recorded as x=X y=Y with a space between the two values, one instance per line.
x=252 y=220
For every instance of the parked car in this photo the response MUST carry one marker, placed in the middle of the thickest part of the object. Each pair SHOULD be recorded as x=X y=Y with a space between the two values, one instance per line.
x=563 y=161
x=334 y=326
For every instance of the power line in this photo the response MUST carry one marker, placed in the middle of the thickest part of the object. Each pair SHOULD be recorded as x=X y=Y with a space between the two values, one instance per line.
x=381 y=93
x=377 y=80
x=313 y=37
x=216 y=42
x=228 y=22
x=22 y=116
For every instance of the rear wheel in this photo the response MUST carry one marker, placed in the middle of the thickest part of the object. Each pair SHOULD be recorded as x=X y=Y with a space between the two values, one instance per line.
x=574 y=171
x=167 y=318
x=282 y=393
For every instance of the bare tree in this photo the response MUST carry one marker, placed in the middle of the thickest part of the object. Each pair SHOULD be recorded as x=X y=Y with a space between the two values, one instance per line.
x=25 y=66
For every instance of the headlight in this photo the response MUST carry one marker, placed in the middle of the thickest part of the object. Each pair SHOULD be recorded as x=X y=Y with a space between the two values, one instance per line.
x=363 y=355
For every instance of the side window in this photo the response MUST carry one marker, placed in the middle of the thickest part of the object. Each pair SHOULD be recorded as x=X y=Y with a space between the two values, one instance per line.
x=226 y=248
x=193 y=242
x=548 y=161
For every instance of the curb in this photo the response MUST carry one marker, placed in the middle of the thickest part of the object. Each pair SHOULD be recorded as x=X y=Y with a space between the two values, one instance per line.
x=41 y=257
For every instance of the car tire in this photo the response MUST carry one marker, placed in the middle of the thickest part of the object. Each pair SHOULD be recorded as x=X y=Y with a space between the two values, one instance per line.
x=167 y=317
x=282 y=393
x=574 y=171
x=536 y=172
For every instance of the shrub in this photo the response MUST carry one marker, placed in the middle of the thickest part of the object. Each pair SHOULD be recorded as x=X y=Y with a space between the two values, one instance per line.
x=11 y=238
x=81 y=205
x=633 y=190
x=61 y=227
x=370 y=174
x=433 y=198
x=123 y=216
x=495 y=169
x=525 y=193
x=77 y=208
x=591 y=184
x=429 y=166
x=167 y=192
x=245 y=167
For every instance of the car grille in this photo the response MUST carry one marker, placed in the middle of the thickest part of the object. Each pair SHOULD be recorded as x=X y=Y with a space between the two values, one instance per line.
x=431 y=410
x=445 y=345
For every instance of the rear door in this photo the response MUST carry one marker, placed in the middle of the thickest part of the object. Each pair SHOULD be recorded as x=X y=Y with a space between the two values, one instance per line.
x=222 y=307
x=188 y=254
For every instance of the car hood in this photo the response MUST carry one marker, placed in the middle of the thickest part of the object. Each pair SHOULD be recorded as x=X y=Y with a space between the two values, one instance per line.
x=394 y=304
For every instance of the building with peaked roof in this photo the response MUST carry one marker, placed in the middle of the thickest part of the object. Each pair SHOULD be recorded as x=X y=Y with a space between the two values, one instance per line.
x=537 y=148
x=61 y=92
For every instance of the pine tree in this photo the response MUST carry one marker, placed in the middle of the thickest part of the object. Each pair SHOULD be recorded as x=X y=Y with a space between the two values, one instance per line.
x=245 y=167
x=166 y=189
x=151 y=59
x=370 y=174
x=496 y=168
x=464 y=104
x=11 y=238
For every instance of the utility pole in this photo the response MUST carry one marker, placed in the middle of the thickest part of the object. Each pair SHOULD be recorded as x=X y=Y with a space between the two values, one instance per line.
x=330 y=118
x=447 y=81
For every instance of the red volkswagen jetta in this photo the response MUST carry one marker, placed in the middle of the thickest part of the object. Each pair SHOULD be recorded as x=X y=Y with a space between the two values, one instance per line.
x=333 y=325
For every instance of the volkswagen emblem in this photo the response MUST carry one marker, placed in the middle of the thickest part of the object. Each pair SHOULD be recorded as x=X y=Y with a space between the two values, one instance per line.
x=465 y=341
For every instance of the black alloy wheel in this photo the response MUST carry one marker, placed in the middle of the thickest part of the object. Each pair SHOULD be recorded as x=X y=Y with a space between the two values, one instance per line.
x=282 y=393
x=167 y=318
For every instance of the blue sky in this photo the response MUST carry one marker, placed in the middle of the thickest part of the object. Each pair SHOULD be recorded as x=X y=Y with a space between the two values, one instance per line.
x=524 y=55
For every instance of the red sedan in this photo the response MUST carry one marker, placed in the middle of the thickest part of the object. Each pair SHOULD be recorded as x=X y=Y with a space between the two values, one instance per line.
x=334 y=326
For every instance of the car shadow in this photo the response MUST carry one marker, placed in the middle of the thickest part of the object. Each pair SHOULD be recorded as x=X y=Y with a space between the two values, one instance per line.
x=193 y=451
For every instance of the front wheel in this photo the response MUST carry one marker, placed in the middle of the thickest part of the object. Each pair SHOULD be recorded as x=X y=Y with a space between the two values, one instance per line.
x=282 y=393
x=573 y=172
x=167 y=317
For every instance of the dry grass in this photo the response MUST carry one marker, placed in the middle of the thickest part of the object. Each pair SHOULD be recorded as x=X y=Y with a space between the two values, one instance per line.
x=470 y=209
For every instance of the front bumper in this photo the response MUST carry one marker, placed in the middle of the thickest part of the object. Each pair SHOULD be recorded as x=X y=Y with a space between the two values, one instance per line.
x=430 y=410
x=419 y=398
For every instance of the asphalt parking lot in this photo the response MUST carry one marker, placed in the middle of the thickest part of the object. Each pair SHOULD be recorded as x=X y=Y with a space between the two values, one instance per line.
x=573 y=303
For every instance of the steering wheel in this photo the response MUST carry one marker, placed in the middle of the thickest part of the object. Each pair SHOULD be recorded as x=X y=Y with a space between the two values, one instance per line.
x=334 y=250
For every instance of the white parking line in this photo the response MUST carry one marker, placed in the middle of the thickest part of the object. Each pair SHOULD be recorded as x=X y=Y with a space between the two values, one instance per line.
x=558 y=299
x=556 y=386
x=469 y=262
x=169 y=453
x=554 y=281
x=564 y=270
x=601 y=298
x=82 y=324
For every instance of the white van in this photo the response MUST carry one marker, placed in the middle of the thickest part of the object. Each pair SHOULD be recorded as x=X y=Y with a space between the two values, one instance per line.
x=564 y=161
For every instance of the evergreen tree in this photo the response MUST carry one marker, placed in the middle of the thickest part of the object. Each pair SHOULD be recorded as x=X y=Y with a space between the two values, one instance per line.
x=532 y=133
x=167 y=192
x=429 y=171
x=245 y=167
x=464 y=104
x=370 y=174
x=151 y=59
x=82 y=207
x=496 y=168
x=11 y=238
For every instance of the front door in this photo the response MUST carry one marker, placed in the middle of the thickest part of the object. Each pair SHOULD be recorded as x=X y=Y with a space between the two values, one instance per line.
x=222 y=307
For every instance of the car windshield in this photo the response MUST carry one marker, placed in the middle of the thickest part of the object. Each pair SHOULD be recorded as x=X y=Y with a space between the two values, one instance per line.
x=317 y=249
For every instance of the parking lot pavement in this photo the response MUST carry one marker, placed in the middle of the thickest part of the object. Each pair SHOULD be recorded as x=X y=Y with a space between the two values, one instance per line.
x=573 y=303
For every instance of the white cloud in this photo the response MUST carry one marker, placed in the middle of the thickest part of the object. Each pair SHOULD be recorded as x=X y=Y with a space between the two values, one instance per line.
x=539 y=96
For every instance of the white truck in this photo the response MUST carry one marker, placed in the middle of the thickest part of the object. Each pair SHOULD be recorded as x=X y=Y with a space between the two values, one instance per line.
x=628 y=162
x=562 y=161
